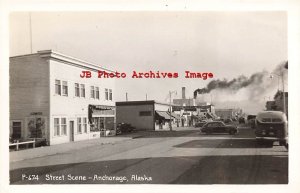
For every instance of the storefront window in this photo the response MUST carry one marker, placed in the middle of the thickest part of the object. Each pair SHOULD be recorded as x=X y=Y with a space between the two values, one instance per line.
x=85 y=124
x=79 y=125
x=109 y=123
x=63 y=126
x=56 y=127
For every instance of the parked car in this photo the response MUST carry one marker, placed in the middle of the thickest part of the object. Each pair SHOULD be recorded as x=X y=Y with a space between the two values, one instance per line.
x=218 y=127
x=271 y=126
x=124 y=128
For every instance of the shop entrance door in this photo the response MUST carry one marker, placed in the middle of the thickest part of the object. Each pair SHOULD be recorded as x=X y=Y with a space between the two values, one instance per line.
x=71 y=130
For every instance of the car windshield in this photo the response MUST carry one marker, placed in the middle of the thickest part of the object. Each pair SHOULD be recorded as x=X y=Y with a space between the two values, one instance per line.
x=215 y=124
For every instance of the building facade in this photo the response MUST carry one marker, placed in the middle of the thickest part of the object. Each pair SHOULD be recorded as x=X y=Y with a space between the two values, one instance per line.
x=49 y=99
x=280 y=105
x=145 y=115
x=228 y=113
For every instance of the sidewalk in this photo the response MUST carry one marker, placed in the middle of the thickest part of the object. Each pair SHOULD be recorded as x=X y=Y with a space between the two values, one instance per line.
x=65 y=147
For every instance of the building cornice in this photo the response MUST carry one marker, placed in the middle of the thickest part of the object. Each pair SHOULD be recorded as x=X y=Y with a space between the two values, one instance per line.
x=51 y=55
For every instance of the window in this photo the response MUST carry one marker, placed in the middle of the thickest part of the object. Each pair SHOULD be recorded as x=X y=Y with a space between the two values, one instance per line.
x=92 y=92
x=56 y=127
x=97 y=93
x=76 y=89
x=82 y=90
x=110 y=94
x=106 y=94
x=79 y=125
x=64 y=88
x=145 y=113
x=57 y=87
x=85 y=124
x=63 y=126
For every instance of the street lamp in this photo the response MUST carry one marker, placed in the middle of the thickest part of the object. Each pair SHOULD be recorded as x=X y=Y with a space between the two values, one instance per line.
x=170 y=106
x=281 y=75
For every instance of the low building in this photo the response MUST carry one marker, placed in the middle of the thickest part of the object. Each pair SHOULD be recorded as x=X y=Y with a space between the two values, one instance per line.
x=49 y=100
x=228 y=113
x=145 y=115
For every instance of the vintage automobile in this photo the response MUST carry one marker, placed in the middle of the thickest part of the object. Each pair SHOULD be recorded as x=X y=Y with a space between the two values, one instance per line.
x=124 y=128
x=218 y=127
x=271 y=126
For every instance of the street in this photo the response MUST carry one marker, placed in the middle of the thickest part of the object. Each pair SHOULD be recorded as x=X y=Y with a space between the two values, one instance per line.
x=184 y=156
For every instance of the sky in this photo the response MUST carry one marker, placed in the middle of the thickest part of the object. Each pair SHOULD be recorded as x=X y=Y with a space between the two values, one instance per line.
x=228 y=44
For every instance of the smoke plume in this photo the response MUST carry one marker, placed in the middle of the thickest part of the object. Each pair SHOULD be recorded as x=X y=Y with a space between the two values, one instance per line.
x=253 y=90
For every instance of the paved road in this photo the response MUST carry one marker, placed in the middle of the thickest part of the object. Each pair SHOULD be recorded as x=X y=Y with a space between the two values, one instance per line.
x=178 y=157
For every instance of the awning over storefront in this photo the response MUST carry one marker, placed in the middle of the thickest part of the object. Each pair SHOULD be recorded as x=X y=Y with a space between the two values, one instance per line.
x=98 y=113
x=100 y=110
x=163 y=114
x=175 y=116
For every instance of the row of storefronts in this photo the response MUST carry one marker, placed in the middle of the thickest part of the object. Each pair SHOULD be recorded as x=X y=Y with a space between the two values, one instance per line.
x=49 y=100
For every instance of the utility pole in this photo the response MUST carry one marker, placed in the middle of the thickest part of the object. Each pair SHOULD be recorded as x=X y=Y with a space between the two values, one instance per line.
x=126 y=96
x=170 y=107
x=30 y=32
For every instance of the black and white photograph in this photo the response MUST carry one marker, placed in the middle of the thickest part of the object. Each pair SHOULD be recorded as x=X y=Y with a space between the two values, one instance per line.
x=172 y=97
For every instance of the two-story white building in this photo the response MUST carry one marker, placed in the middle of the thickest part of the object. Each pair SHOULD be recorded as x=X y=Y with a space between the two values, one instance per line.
x=49 y=99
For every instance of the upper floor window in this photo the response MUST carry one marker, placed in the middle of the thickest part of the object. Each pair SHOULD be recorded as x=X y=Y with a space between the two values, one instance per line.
x=110 y=94
x=97 y=93
x=65 y=88
x=92 y=92
x=82 y=90
x=57 y=87
x=106 y=94
x=76 y=89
